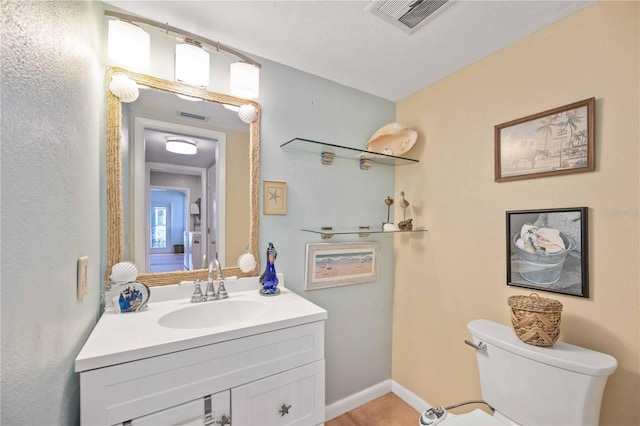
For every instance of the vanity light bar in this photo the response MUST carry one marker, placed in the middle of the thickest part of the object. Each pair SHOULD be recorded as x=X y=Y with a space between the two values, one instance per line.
x=166 y=27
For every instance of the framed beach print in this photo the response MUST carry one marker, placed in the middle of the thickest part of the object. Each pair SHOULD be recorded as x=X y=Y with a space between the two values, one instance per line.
x=275 y=197
x=553 y=142
x=338 y=264
x=548 y=250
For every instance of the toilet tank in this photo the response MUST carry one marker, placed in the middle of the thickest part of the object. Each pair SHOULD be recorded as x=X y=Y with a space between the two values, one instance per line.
x=531 y=385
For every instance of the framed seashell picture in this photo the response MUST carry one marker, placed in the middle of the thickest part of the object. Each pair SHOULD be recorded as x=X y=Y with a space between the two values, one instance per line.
x=548 y=250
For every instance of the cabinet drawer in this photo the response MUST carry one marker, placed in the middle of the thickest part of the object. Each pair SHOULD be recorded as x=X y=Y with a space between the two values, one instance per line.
x=295 y=397
x=190 y=413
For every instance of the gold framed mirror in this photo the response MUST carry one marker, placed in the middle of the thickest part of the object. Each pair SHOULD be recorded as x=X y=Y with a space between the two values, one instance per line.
x=114 y=168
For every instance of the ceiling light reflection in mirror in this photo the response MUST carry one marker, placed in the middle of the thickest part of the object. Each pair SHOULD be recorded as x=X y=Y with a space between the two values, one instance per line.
x=181 y=146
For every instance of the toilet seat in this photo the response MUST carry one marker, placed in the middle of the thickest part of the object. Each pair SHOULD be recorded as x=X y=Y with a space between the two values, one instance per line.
x=476 y=417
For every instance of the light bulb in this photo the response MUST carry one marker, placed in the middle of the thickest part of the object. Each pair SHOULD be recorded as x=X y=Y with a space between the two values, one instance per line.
x=192 y=65
x=128 y=45
x=244 y=80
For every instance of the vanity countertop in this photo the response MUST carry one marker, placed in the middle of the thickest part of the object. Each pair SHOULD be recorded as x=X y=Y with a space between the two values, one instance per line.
x=119 y=338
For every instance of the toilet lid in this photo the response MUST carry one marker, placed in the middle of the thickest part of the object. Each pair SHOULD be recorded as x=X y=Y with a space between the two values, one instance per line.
x=476 y=417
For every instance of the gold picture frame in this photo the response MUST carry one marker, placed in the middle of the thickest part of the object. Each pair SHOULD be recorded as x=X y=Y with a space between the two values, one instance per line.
x=275 y=197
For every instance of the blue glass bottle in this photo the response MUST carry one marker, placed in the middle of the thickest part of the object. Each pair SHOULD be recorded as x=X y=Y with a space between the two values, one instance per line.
x=269 y=279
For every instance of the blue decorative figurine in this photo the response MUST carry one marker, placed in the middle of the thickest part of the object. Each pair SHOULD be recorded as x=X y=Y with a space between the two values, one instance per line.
x=269 y=279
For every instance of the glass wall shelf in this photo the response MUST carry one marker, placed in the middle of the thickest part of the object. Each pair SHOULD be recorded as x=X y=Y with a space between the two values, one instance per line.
x=363 y=233
x=319 y=148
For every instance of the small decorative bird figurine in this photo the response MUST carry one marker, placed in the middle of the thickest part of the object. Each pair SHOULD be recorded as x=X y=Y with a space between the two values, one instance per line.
x=389 y=202
x=404 y=204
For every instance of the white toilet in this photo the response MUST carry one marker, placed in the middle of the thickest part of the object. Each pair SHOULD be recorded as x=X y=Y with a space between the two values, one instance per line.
x=529 y=385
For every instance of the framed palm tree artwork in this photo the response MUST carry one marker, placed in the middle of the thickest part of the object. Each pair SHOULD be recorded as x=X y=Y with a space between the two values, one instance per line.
x=553 y=142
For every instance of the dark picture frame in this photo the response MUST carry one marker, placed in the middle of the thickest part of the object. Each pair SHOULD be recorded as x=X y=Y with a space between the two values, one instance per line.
x=553 y=142
x=537 y=261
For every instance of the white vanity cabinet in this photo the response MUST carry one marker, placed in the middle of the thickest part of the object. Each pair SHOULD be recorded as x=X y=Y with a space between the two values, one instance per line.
x=271 y=378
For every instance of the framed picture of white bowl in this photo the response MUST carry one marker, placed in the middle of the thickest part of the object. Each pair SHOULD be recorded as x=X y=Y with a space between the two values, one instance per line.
x=547 y=250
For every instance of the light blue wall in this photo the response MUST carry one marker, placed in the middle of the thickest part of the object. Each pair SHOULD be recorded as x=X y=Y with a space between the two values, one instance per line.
x=53 y=115
x=297 y=104
x=52 y=143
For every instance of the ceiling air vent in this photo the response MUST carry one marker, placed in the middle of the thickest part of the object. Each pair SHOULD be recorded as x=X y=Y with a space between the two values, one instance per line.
x=192 y=115
x=408 y=16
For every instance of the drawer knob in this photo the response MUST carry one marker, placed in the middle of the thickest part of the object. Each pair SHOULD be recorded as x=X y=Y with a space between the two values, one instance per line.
x=284 y=410
x=225 y=421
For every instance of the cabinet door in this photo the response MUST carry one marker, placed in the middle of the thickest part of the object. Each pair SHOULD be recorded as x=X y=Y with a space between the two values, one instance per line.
x=294 y=397
x=202 y=411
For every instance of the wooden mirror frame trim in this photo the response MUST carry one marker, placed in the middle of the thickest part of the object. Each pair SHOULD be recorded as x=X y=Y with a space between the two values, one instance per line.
x=114 y=184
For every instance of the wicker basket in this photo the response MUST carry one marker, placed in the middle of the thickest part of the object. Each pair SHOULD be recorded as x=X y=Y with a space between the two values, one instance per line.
x=535 y=320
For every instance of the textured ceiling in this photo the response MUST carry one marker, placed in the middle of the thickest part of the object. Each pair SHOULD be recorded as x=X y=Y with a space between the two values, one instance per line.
x=340 y=41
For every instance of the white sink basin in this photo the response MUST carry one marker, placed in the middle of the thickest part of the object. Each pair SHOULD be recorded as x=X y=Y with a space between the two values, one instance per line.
x=213 y=314
x=171 y=324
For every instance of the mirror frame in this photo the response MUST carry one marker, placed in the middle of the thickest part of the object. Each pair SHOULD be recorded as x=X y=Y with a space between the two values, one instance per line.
x=114 y=184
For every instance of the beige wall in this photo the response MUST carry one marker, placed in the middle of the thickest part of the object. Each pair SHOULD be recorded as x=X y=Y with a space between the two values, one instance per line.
x=456 y=271
x=237 y=196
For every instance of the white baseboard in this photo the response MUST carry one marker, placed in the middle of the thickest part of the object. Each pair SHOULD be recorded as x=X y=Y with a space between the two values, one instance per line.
x=409 y=397
x=376 y=391
x=357 y=399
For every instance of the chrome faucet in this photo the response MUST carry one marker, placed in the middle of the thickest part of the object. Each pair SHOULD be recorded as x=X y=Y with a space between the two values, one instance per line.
x=222 y=292
x=210 y=292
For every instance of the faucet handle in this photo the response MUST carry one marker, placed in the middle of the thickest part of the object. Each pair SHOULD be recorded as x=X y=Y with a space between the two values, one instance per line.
x=222 y=292
x=210 y=292
x=197 y=294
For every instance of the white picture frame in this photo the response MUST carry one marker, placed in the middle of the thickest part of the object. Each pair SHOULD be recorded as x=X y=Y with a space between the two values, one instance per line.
x=338 y=264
